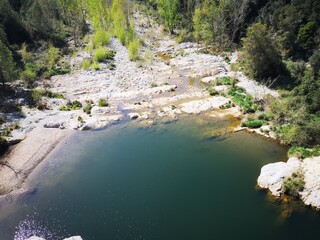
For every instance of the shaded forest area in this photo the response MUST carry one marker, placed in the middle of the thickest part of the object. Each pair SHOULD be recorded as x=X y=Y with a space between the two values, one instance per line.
x=278 y=43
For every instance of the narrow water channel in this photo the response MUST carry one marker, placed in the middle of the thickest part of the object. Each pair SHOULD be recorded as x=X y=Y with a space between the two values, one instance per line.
x=166 y=182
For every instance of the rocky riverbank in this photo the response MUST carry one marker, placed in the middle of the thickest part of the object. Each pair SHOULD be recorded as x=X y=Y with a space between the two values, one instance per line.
x=172 y=82
x=273 y=176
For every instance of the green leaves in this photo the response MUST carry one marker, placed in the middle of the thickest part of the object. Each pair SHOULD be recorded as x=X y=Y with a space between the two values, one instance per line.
x=168 y=9
x=7 y=65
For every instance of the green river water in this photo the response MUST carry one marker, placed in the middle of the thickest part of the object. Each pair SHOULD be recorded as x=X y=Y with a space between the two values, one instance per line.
x=172 y=181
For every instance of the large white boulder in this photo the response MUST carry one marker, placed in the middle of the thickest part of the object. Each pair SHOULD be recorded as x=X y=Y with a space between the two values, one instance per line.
x=272 y=175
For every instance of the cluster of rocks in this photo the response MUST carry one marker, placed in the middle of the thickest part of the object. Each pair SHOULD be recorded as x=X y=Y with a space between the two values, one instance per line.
x=273 y=175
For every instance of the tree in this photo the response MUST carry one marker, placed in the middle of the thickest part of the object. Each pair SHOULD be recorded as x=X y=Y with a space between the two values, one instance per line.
x=168 y=10
x=7 y=65
x=261 y=57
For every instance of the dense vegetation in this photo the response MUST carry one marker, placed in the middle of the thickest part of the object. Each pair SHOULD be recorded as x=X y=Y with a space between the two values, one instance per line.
x=279 y=44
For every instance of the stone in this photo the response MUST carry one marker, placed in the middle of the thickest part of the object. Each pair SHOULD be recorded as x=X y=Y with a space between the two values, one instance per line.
x=272 y=175
x=133 y=115
x=208 y=79
x=73 y=238
x=54 y=124
x=198 y=106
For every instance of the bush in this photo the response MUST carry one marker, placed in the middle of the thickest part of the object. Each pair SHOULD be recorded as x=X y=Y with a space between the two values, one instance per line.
x=213 y=92
x=223 y=81
x=29 y=76
x=261 y=58
x=95 y=66
x=100 y=38
x=245 y=101
x=253 y=123
x=133 y=49
x=294 y=184
x=302 y=152
x=102 y=54
x=86 y=64
x=75 y=105
x=103 y=103
x=87 y=109
x=53 y=55
x=56 y=71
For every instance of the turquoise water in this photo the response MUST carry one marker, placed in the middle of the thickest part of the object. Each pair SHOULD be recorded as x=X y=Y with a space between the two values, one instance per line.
x=167 y=182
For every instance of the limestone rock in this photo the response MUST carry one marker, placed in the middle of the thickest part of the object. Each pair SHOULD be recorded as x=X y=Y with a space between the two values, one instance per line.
x=73 y=238
x=272 y=175
x=203 y=105
x=55 y=124
x=311 y=192
x=35 y=238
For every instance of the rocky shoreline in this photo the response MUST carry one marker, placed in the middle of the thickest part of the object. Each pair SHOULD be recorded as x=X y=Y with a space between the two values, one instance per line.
x=163 y=88
x=273 y=176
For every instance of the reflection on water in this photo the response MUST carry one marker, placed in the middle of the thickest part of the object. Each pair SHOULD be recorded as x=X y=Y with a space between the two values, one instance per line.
x=29 y=228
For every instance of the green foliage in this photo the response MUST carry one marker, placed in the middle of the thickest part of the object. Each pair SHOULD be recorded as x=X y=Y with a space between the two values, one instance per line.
x=294 y=184
x=243 y=100
x=29 y=76
x=75 y=105
x=261 y=57
x=302 y=152
x=100 y=38
x=133 y=49
x=212 y=92
x=223 y=81
x=7 y=66
x=103 y=103
x=183 y=36
x=306 y=35
x=103 y=53
x=53 y=55
x=95 y=66
x=56 y=71
x=86 y=64
x=168 y=10
x=253 y=123
x=87 y=108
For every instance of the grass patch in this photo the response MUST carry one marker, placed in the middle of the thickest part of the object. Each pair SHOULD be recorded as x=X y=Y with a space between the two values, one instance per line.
x=212 y=92
x=86 y=64
x=253 y=123
x=100 y=38
x=302 y=152
x=75 y=105
x=103 y=103
x=133 y=49
x=223 y=81
x=87 y=108
x=103 y=53
x=95 y=66
x=56 y=71
x=294 y=184
x=243 y=100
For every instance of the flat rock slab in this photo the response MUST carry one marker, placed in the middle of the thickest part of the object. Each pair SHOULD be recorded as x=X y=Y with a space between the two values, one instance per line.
x=198 y=106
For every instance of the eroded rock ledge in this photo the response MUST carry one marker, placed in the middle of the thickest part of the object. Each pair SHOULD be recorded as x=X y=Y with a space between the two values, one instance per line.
x=273 y=175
